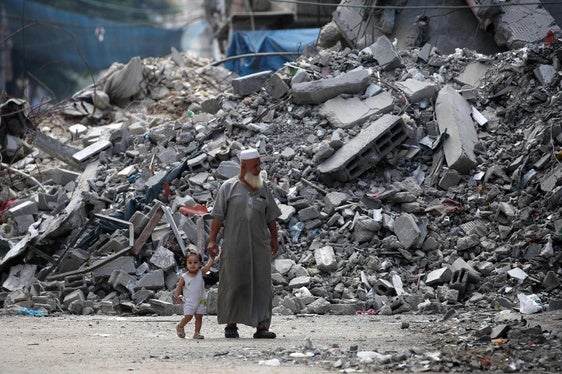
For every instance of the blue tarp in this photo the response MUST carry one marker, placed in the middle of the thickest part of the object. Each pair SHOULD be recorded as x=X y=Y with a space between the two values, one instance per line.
x=51 y=36
x=244 y=42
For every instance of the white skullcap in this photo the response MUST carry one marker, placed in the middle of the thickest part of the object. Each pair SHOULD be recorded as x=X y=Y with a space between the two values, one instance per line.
x=249 y=154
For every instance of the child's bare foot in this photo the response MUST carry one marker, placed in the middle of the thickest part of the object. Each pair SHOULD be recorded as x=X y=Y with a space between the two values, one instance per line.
x=198 y=336
x=180 y=331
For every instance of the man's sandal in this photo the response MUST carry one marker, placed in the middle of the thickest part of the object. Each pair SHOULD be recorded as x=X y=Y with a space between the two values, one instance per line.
x=231 y=332
x=180 y=331
x=264 y=334
x=198 y=336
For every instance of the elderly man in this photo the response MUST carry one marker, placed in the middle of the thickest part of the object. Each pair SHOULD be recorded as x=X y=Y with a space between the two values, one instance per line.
x=246 y=210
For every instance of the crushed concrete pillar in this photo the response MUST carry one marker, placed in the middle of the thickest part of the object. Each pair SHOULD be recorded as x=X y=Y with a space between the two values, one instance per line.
x=453 y=115
x=319 y=91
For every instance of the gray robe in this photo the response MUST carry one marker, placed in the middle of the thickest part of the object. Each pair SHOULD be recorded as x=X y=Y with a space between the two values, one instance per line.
x=245 y=290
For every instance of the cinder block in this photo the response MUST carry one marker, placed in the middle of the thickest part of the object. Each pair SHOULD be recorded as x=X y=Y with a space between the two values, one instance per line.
x=73 y=259
x=365 y=150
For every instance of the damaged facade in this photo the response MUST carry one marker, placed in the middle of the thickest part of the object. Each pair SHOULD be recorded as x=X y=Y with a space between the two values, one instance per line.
x=410 y=181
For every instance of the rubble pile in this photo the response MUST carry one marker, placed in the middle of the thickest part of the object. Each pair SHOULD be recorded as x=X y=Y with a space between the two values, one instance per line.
x=409 y=181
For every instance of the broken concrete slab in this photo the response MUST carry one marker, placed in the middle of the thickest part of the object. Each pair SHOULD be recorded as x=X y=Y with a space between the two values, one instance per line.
x=453 y=116
x=345 y=112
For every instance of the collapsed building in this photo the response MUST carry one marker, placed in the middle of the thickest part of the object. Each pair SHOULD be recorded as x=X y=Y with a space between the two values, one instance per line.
x=410 y=181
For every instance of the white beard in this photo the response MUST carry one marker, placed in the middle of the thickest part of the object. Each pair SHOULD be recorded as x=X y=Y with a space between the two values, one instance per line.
x=256 y=181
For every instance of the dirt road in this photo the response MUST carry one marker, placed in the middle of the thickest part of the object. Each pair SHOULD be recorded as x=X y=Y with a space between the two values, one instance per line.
x=103 y=344
x=305 y=344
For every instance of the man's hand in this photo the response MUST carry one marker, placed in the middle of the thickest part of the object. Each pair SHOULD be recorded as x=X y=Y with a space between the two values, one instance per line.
x=213 y=248
x=274 y=247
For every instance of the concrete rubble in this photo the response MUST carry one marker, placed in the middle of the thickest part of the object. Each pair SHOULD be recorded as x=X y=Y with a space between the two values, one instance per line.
x=407 y=205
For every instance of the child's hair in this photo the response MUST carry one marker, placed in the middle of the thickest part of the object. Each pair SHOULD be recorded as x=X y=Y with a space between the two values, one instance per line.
x=192 y=253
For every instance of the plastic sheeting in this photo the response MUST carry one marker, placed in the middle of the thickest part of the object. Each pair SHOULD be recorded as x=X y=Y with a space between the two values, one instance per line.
x=47 y=34
x=247 y=42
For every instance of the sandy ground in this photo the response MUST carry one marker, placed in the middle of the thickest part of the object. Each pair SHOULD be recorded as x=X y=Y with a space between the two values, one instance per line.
x=104 y=344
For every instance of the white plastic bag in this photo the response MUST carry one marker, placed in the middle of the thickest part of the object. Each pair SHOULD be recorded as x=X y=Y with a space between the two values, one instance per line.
x=529 y=304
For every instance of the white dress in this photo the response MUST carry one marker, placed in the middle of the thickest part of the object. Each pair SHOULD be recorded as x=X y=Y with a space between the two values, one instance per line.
x=194 y=300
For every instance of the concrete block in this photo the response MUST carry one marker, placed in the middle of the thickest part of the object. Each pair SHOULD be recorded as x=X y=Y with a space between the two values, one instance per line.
x=276 y=86
x=439 y=276
x=139 y=221
x=473 y=74
x=384 y=287
x=73 y=259
x=283 y=266
x=142 y=295
x=298 y=282
x=27 y=207
x=453 y=115
x=318 y=306
x=319 y=91
x=22 y=223
x=122 y=281
x=163 y=308
x=125 y=263
x=198 y=163
x=473 y=275
x=416 y=90
x=344 y=112
x=152 y=281
x=365 y=150
x=449 y=178
x=407 y=230
x=325 y=259
x=308 y=213
x=293 y=304
x=250 y=83
x=212 y=299
x=332 y=200
x=73 y=296
x=228 y=169
x=114 y=244
x=550 y=281
x=287 y=212
x=385 y=53
x=163 y=258
x=459 y=281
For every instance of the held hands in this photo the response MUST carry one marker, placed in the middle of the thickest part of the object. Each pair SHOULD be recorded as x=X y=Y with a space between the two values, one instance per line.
x=213 y=249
